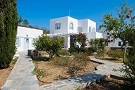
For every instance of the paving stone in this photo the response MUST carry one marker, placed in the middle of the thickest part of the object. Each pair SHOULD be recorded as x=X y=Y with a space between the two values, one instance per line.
x=25 y=88
x=47 y=86
x=60 y=86
x=58 y=83
x=20 y=77
x=68 y=81
x=5 y=88
x=16 y=83
x=34 y=87
x=8 y=83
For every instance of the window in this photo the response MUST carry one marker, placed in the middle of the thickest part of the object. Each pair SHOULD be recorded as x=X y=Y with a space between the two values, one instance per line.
x=58 y=26
x=71 y=25
x=89 y=29
x=119 y=43
x=18 y=41
x=93 y=30
x=80 y=29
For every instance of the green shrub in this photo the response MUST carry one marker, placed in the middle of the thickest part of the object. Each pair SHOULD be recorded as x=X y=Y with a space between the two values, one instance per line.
x=115 y=54
x=91 y=50
x=74 y=64
x=78 y=63
x=81 y=59
x=100 y=54
x=61 y=61
x=63 y=52
x=48 y=44
x=39 y=72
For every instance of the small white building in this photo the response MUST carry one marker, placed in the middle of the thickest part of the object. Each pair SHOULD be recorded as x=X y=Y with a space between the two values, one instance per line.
x=69 y=26
x=117 y=43
x=25 y=36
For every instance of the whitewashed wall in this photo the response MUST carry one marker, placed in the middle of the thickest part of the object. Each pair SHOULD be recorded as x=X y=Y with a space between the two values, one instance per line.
x=64 y=25
x=24 y=33
x=93 y=35
x=84 y=25
x=115 y=43
x=91 y=24
x=75 y=25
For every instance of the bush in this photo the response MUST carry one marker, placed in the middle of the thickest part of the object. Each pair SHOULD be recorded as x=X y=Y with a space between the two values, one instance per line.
x=100 y=54
x=63 y=52
x=74 y=64
x=61 y=61
x=50 y=45
x=91 y=50
x=39 y=72
x=78 y=63
x=81 y=40
x=115 y=54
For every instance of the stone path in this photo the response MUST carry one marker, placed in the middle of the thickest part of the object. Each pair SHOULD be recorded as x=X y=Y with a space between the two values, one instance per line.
x=109 y=68
x=20 y=77
x=106 y=68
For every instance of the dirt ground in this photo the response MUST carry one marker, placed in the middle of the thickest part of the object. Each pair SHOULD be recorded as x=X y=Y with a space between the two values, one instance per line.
x=110 y=84
x=4 y=73
x=54 y=73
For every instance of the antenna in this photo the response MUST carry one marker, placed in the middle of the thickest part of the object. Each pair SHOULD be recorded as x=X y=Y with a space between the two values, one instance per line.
x=69 y=12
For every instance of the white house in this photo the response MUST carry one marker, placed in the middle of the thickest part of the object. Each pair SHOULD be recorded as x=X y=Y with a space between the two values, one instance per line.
x=117 y=43
x=68 y=26
x=25 y=36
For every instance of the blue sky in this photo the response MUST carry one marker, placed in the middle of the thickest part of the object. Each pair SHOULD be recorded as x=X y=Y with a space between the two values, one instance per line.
x=39 y=12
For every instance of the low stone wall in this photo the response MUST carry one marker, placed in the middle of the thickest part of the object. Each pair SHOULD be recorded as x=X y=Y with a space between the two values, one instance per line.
x=37 y=54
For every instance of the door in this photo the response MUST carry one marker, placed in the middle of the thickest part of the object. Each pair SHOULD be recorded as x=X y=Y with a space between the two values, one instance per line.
x=26 y=44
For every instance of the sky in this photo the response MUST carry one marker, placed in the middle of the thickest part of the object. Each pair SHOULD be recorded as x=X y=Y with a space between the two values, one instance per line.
x=39 y=12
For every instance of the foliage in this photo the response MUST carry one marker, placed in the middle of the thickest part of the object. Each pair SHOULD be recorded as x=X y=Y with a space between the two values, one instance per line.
x=80 y=39
x=78 y=63
x=20 y=20
x=14 y=60
x=123 y=27
x=115 y=54
x=61 y=61
x=63 y=52
x=130 y=70
x=100 y=54
x=74 y=64
x=97 y=44
x=25 y=22
x=8 y=29
x=50 y=45
x=38 y=72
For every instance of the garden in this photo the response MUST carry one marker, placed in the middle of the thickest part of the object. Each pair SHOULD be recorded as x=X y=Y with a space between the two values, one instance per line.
x=52 y=65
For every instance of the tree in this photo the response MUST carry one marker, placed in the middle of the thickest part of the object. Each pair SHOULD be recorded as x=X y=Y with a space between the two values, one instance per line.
x=50 y=45
x=8 y=29
x=78 y=42
x=97 y=44
x=123 y=27
x=20 y=20
x=25 y=22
